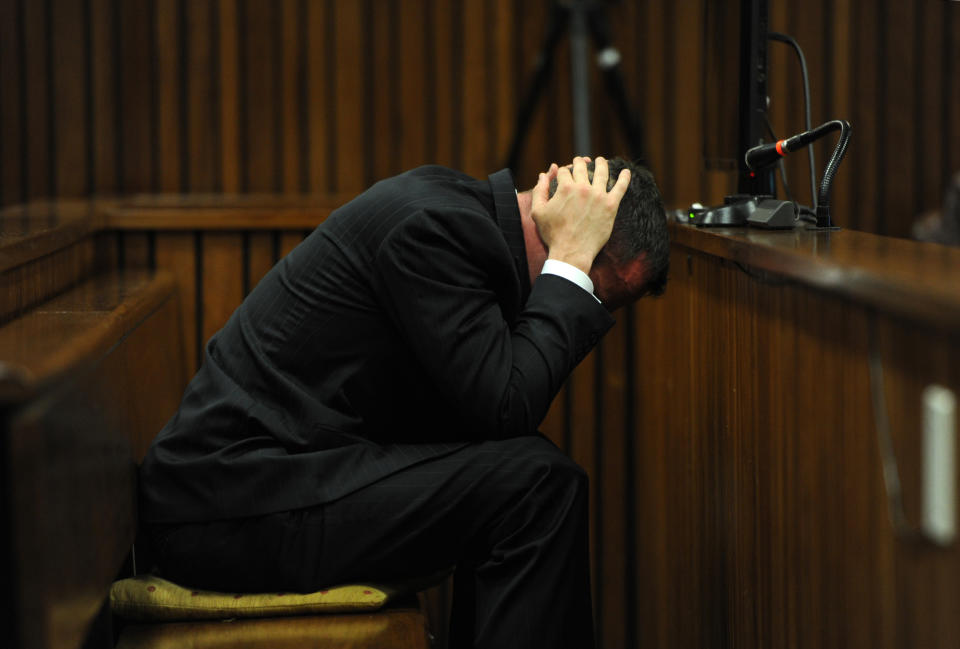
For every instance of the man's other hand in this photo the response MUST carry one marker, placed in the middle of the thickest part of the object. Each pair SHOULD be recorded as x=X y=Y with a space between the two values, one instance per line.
x=577 y=220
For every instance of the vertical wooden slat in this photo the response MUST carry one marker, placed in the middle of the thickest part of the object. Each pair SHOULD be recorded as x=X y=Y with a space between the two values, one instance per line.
x=260 y=257
x=135 y=111
x=653 y=94
x=413 y=89
x=809 y=28
x=863 y=156
x=318 y=89
x=928 y=146
x=11 y=105
x=780 y=65
x=291 y=85
x=261 y=99
x=902 y=117
x=350 y=133
x=175 y=253
x=104 y=135
x=613 y=615
x=382 y=146
x=687 y=104
x=168 y=95
x=289 y=240
x=68 y=97
x=229 y=96
x=476 y=104
x=842 y=103
x=505 y=98
x=222 y=282
x=39 y=138
x=136 y=249
x=441 y=60
x=199 y=96
x=536 y=153
x=951 y=119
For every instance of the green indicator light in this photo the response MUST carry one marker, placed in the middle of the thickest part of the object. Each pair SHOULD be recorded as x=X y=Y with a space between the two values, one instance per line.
x=691 y=215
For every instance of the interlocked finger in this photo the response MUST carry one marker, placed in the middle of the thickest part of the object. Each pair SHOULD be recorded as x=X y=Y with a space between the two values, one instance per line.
x=600 y=173
x=580 y=170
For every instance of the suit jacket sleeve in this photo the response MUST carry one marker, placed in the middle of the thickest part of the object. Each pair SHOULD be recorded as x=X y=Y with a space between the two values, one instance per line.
x=447 y=280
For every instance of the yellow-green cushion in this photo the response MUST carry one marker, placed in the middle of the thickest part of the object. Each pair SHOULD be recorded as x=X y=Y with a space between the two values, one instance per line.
x=150 y=598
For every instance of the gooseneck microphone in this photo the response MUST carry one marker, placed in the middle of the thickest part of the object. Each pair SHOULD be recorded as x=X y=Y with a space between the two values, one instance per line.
x=767 y=154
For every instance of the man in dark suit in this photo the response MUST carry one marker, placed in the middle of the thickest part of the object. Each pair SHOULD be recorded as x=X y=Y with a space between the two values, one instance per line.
x=370 y=411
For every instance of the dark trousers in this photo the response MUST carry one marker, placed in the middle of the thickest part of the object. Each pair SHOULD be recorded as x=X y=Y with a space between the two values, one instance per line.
x=511 y=515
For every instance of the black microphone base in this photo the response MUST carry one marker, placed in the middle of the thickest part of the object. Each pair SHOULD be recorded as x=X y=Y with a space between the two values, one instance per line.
x=740 y=210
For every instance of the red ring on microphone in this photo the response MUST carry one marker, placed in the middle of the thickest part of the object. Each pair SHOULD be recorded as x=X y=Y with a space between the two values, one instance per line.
x=780 y=148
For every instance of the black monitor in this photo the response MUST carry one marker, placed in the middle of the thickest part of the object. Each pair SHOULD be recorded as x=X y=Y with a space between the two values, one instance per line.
x=735 y=89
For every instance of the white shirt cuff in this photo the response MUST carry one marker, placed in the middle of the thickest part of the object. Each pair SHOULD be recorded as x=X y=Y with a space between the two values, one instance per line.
x=572 y=273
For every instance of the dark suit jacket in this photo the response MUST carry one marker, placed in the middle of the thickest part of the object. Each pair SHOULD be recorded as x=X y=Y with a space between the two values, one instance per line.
x=401 y=329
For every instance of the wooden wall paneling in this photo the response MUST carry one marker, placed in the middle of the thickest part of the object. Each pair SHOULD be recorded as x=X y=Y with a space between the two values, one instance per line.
x=841 y=105
x=655 y=100
x=349 y=54
x=863 y=153
x=262 y=100
x=928 y=146
x=866 y=540
x=780 y=66
x=442 y=108
x=925 y=591
x=381 y=150
x=809 y=27
x=200 y=110
x=11 y=105
x=222 y=280
x=686 y=99
x=137 y=249
x=136 y=101
x=537 y=151
x=652 y=497
x=289 y=240
x=260 y=249
x=415 y=93
x=822 y=481
x=104 y=134
x=741 y=538
x=27 y=285
x=901 y=79
x=169 y=40
x=475 y=126
x=320 y=63
x=150 y=352
x=950 y=121
x=228 y=57
x=611 y=139
x=611 y=538
x=68 y=62
x=38 y=120
x=177 y=253
x=506 y=29
x=558 y=110
x=292 y=69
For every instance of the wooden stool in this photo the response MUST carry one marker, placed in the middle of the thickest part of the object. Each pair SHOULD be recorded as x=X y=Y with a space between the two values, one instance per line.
x=164 y=615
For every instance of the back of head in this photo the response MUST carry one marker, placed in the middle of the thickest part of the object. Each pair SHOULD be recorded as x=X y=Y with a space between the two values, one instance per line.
x=640 y=228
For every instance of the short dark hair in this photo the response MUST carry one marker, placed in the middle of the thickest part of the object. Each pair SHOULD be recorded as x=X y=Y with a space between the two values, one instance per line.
x=640 y=228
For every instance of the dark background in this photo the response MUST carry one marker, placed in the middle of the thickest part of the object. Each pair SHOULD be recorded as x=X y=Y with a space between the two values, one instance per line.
x=111 y=96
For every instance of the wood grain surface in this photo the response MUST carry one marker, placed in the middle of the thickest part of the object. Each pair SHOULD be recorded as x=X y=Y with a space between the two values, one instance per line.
x=327 y=96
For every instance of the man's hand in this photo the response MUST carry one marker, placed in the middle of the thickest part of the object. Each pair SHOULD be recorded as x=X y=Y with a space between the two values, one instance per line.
x=576 y=222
